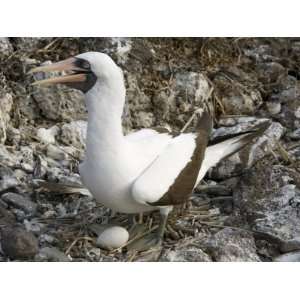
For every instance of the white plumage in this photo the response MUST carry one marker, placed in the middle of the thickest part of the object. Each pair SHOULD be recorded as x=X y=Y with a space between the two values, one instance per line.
x=129 y=173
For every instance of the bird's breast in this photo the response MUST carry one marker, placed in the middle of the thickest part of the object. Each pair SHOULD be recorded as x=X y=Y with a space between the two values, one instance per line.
x=110 y=183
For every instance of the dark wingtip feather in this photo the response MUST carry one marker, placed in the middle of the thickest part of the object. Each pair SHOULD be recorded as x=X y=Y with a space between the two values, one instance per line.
x=256 y=130
x=205 y=122
x=249 y=136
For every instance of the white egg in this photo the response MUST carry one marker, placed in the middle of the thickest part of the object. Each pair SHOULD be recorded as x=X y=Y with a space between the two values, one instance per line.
x=112 y=238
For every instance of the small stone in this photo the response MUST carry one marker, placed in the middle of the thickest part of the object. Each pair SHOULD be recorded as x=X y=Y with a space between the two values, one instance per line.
x=58 y=103
x=56 y=153
x=274 y=107
x=46 y=238
x=227 y=122
x=215 y=190
x=297 y=113
x=21 y=202
x=112 y=238
x=231 y=245
x=288 y=257
x=74 y=134
x=290 y=245
x=6 y=217
x=33 y=226
x=18 y=243
x=186 y=254
x=47 y=136
x=51 y=254
x=5 y=46
x=25 y=159
x=7 y=179
x=295 y=135
x=13 y=135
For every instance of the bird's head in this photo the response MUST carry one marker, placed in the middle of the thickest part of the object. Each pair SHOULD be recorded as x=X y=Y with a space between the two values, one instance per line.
x=82 y=71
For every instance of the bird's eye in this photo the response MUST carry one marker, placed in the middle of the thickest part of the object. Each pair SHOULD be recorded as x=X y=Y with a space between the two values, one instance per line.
x=85 y=65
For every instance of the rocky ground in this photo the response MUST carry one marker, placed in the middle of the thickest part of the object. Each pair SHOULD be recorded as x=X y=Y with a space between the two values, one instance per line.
x=246 y=209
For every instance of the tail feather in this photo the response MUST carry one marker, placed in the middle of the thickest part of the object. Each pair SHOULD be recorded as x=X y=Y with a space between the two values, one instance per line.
x=233 y=143
x=226 y=146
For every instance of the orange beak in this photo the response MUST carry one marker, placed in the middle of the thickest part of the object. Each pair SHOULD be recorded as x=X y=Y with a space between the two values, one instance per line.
x=68 y=65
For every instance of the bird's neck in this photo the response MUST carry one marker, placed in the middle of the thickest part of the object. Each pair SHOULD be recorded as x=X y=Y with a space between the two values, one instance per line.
x=105 y=104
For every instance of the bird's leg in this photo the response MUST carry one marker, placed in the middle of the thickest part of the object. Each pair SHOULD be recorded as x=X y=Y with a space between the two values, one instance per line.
x=153 y=239
x=137 y=228
x=141 y=216
x=164 y=213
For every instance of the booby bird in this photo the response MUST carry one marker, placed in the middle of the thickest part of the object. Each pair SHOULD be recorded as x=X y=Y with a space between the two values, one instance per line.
x=145 y=170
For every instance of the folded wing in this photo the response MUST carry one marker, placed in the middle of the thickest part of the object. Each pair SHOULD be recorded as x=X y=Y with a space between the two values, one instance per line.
x=171 y=177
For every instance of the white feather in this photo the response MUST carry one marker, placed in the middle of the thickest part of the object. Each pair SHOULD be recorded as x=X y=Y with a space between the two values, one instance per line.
x=155 y=181
x=215 y=153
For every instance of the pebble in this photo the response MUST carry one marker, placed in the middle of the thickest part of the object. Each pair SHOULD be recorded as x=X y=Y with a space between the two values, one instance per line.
x=51 y=254
x=112 y=238
x=7 y=179
x=290 y=245
x=215 y=190
x=55 y=152
x=288 y=257
x=295 y=135
x=297 y=113
x=6 y=217
x=5 y=46
x=47 y=136
x=186 y=254
x=274 y=108
x=18 y=243
x=74 y=133
x=21 y=202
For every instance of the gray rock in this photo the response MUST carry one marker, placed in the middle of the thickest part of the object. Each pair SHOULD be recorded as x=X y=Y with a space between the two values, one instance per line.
x=215 y=190
x=242 y=103
x=274 y=107
x=17 y=243
x=47 y=136
x=5 y=46
x=122 y=47
x=188 y=91
x=13 y=135
x=6 y=217
x=290 y=245
x=283 y=223
x=268 y=202
x=6 y=103
x=186 y=254
x=33 y=226
x=29 y=44
x=269 y=72
x=288 y=257
x=56 y=153
x=25 y=159
x=193 y=86
x=7 y=158
x=231 y=245
x=51 y=254
x=7 y=179
x=46 y=238
x=297 y=113
x=74 y=133
x=295 y=135
x=59 y=103
x=21 y=202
